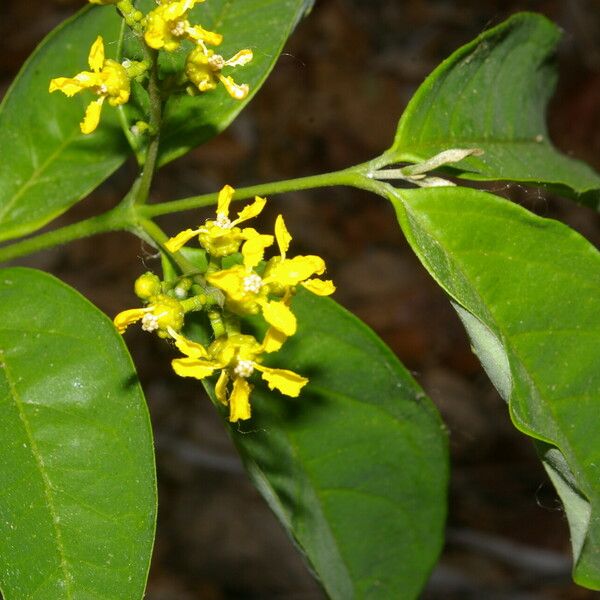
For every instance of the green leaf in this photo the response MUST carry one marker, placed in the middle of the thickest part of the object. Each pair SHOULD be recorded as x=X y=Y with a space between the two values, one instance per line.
x=47 y=163
x=492 y=94
x=356 y=466
x=261 y=25
x=52 y=165
x=77 y=480
x=526 y=289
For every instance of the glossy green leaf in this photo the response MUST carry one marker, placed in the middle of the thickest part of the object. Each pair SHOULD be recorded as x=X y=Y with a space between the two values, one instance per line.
x=77 y=480
x=526 y=289
x=356 y=467
x=47 y=163
x=261 y=25
x=492 y=94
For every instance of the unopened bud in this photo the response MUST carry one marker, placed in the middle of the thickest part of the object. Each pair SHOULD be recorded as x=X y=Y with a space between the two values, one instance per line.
x=147 y=285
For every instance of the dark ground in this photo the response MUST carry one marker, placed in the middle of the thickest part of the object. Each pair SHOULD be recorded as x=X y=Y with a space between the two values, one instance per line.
x=333 y=101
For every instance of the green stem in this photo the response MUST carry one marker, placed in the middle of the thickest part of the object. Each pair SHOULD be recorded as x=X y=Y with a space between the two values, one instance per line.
x=155 y=121
x=155 y=233
x=137 y=218
x=353 y=177
x=216 y=322
x=109 y=221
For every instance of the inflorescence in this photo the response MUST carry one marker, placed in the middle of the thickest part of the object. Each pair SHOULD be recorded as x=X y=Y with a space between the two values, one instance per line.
x=165 y=28
x=237 y=282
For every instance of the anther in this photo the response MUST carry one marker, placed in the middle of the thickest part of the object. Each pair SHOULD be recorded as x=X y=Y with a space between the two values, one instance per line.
x=223 y=221
x=252 y=283
x=216 y=61
x=244 y=368
x=179 y=28
x=149 y=322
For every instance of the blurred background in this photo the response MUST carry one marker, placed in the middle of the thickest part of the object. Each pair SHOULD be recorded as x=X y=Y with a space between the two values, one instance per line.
x=333 y=100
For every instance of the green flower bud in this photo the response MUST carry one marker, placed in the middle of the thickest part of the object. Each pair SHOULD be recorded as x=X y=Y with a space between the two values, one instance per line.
x=180 y=291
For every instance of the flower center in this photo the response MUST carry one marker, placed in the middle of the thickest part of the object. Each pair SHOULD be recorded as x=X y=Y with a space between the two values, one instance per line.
x=244 y=368
x=223 y=221
x=252 y=283
x=102 y=90
x=149 y=322
x=216 y=62
x=178 y=28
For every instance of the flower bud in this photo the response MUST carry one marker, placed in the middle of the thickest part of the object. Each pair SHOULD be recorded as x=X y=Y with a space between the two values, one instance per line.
x=147 y=285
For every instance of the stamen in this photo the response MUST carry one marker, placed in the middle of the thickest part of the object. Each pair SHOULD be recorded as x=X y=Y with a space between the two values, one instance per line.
x=223 y=221
x=244 y=368
x=102 y=90
x=216 y=62
x=179 y=28
x=252 y=283
x=149 y=322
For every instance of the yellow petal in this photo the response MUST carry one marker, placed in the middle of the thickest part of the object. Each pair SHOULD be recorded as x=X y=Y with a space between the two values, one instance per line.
x=198 y=33
x=92 y=116
x=287 y=382
x=229 y=280
x=292 y=271
x=224 y=200
x=221 y=387
x=127 y=317
x=251 y=210
x=239 y=401
x=67 y=86
x=253 y=249
x=283 y=236
x=274 y=339
x=96 y=57
x=194 y=367
x=206 y=83
x=88 y=79
x=319 y=286
x=237 y=92
x=155 y=32
x=248 y=232
x=173 y=10
x=280 y=316
x=188 y=347
x=243 y=57
x=180 y=240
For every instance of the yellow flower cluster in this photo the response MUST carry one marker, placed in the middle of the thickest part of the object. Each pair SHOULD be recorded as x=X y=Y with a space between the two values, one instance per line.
x=163 y=28
x=107 y=78
x=168 y=25
x=254 y=286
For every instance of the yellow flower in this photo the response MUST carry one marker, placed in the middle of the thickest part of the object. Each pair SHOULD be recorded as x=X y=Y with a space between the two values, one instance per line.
x=247 y=292
x=163 y=314
x=203 y=69
x=167 y=25
x=107 y=78
x=221 y=237
x=237 y=357
x=285 y=273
